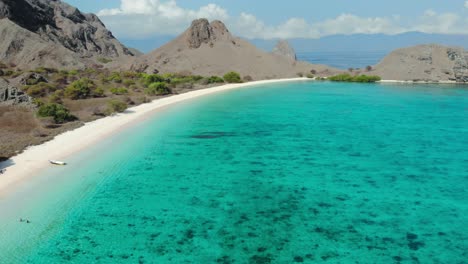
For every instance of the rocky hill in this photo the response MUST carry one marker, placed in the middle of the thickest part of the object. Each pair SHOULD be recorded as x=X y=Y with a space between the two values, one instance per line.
x=210 y=49
x=425 y=63
x=283 y=48
x=54 y=34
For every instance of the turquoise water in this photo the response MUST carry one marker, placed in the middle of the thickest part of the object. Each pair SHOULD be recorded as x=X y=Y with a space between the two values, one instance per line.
x=300 y=172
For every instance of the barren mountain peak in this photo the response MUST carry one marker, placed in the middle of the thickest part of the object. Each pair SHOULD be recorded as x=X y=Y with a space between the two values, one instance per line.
x=39 y=24
x=203 y=32
x=284 y=49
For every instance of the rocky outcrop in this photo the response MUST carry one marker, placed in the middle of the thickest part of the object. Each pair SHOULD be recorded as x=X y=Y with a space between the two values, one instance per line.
x=10 y=95
x=203 y=32
x=425 y=63
x=283 y=48
x=29 y=78
x=53 y=33
x=460 y=58
x=210 y=49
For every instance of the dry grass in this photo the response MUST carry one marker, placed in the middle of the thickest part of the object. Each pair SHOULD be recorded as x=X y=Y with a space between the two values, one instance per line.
x=17 y=119
x=20 y=128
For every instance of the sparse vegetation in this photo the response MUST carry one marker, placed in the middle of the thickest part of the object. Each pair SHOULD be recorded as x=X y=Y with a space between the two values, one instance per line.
x=148 y=79
x=158 y=88
x=58 y=112
x=40 y=90
x=113 y=77
x=116 y=106
x=70 y=95
x=104 y=60
x=310 y=76
x=214 y=79
x=232 y=77
x=357 y=78
x=82 y=89
x=119 y=91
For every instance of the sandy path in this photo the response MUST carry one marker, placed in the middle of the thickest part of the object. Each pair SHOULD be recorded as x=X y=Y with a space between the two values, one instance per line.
x=34 y=159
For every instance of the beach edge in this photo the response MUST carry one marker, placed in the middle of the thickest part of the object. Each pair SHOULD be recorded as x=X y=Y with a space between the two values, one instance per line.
x=34 y=159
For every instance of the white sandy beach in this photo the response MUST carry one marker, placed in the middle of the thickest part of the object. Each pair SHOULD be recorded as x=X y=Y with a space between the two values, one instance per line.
x=34 y=159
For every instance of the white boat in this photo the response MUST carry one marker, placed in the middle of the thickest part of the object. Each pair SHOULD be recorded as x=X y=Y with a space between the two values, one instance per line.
x=56 y=162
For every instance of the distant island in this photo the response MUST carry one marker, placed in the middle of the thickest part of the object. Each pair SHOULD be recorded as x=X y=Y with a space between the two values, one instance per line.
x=60 y=67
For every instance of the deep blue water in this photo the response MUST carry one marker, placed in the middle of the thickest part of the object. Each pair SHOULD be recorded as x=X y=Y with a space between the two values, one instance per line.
x=344 y=59
x=299 y=172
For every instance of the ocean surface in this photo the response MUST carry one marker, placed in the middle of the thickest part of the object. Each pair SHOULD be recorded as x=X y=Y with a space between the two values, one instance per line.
x=304 y=172
x=344 y=59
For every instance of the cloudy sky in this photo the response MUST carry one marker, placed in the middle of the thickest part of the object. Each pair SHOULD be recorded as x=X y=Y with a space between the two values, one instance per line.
x=267 y=19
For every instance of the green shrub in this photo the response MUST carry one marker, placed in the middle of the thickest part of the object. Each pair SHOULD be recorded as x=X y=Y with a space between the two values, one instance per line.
x=8 y=73
x=73 y=72
x=366 y=78
x=80 y=89
x=119 y=91
x=63 y=72
x=214 y=79
x=44 y=70
x=341 y=78
x=38 y=102
x=104 y=60
x=310 y=76
x=56 y=97
x=116 y=106
x=40 y=70
x=57 y=111
x=40 y=90
x=300 y=74
x=158 y=88
x=232 y=77
x=130 y=74
x=128 y=82
x=349 y=78
x=98 y=92
x=115 y=77
x=196 y=78
x=152 y=78
x=170 y=76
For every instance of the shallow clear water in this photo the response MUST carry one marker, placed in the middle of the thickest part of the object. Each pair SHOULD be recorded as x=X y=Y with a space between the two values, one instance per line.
x=299 y=172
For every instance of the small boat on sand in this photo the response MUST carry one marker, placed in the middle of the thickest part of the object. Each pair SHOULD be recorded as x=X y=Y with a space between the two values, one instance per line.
x=57 y=162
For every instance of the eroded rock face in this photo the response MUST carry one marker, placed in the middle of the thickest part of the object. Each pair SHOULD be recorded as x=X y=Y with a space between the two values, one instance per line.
x=10 y=95
x=28 y=78
x=36 y=24
x=284 y=49
x=460 y=59
x=203 y=32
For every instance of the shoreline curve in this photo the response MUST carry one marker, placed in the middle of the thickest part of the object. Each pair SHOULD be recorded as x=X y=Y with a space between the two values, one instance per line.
x=35 y=158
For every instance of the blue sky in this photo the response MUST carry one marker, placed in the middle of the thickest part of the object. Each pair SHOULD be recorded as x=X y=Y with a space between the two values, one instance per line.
x=285 y=19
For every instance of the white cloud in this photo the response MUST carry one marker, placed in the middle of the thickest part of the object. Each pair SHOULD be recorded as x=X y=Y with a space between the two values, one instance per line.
x=145 y=18
x=432 y=22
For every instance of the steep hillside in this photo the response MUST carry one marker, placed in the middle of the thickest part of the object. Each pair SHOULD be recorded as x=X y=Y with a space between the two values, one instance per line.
x=425 y=63
x=210 y=49
x=52 y=33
